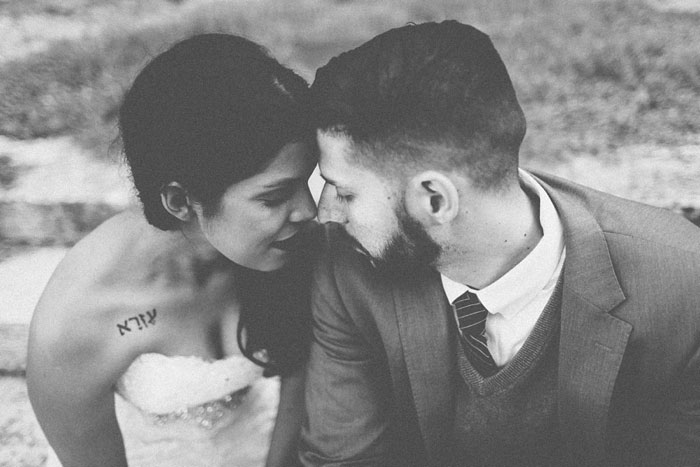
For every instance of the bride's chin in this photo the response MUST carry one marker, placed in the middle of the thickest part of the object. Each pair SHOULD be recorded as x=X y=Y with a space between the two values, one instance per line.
x=281 y=259
x=275 y=259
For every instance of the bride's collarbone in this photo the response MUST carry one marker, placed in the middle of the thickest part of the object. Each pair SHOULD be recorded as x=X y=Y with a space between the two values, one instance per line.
x=193 y=317
x=174 y=331
x=200 y=333
x=179 y=307
x=169 y=276
x=172 y=284
x=162 y=309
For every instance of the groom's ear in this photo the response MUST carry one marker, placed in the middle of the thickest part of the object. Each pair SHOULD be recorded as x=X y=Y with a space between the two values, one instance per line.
x=432 y=198
x=177 y=202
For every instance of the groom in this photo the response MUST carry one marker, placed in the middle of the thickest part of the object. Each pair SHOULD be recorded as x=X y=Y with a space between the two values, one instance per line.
x=468 y=312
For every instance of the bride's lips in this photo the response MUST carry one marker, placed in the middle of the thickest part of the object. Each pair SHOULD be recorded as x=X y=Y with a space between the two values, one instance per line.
x=291 y=243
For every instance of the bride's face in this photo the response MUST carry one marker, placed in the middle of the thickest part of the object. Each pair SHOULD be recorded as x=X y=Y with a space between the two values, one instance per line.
x=258 y=216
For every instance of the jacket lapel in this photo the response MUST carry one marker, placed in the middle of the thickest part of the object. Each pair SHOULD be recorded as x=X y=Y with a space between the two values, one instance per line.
x=423 y=322
x=592 y=340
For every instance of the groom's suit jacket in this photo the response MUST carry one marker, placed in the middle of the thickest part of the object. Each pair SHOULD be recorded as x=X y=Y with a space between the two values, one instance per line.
x=382 y=372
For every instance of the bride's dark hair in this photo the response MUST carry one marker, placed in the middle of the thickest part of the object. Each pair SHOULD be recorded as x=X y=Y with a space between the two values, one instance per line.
x=211 y=111
x=274 y=328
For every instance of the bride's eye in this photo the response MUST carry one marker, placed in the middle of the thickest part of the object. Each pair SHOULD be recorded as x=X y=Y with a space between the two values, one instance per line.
x=277 y=197
x=273 y=202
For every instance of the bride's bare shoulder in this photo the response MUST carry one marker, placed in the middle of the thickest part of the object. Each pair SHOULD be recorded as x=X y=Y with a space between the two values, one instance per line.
x=78 y=310
x=98 y=255
x=90 y=280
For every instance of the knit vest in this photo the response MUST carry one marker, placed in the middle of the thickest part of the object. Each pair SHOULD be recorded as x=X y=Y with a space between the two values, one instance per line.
x=510 y=418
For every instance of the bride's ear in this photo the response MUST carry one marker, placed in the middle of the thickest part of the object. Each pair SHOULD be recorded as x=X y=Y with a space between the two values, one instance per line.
x=177 y=202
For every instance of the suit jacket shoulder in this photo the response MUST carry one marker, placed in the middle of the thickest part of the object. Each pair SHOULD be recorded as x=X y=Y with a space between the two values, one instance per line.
x=346 y=279
x=655 y=258
x=619 y=216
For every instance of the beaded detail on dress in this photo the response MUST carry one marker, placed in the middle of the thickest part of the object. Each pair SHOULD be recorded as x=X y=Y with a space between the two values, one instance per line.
x=159 y=384
x=207 y=414
x=190 y=412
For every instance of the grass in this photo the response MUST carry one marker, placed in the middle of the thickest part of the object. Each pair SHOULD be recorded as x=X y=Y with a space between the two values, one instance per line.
x=608 y=75
x=592 y=76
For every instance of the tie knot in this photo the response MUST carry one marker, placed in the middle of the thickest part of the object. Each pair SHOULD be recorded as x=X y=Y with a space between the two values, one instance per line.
x=471 y=314
x=466 y=298
x=471 y=319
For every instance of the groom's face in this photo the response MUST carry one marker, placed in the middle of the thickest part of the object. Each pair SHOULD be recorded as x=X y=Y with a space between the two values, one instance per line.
x=369 y=208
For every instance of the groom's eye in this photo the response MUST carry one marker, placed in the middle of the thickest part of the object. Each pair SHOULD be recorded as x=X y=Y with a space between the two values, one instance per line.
x=343 y=198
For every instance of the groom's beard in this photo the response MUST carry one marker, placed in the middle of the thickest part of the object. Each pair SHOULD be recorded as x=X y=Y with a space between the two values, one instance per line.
x=409 y=250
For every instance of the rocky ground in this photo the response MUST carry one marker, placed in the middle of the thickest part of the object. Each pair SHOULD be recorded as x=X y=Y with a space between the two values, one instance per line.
x=52 y=193
x=23 y=442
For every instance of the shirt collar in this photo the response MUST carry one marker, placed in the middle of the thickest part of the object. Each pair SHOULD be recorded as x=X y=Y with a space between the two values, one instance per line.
x=537 y=271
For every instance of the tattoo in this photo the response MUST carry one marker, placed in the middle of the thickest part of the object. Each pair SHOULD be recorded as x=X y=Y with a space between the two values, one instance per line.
x=142 y=321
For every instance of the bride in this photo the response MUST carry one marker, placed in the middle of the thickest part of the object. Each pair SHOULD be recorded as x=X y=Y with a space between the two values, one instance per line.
x=156 y=338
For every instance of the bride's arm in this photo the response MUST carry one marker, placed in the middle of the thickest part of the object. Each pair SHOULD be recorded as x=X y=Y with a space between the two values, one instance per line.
x=285 y=436
x=72 y=365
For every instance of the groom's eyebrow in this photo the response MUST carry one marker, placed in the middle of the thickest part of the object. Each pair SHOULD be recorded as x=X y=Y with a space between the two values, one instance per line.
x=329 y=180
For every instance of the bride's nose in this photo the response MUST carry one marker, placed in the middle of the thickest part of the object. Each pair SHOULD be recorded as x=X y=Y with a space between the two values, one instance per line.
x=304 y=207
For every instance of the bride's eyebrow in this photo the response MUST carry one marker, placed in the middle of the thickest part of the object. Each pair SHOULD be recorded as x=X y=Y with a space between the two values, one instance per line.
x=282 y=183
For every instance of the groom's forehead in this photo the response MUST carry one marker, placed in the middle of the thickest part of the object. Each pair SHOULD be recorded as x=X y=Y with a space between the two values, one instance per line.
x=337 y=153
x=334 y=143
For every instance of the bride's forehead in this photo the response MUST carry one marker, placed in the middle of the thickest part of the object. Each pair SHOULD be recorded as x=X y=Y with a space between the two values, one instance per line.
x=294 y=161
x=295 y=156
x=292 y=164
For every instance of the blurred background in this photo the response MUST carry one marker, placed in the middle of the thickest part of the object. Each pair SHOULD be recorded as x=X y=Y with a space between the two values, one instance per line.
x=610 y=89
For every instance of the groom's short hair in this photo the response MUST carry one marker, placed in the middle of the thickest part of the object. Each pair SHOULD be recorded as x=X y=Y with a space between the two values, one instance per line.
x=436 y=94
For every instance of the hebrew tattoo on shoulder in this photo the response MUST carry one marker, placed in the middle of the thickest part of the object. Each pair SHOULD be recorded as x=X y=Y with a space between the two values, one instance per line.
x=142 y=322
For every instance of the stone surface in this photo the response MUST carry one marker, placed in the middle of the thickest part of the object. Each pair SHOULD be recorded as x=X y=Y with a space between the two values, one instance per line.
x=22 y=443
x=23 y=278
x=13 y=349
x=61 y=223
x=55 y=170
x=50 y=224
x=666 y=177
x=692 y=6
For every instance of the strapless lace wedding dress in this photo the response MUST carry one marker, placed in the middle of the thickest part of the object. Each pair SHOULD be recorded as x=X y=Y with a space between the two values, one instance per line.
x=189 y=412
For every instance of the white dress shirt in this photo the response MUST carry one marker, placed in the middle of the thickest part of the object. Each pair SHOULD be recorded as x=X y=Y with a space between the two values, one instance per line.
x=515 y=301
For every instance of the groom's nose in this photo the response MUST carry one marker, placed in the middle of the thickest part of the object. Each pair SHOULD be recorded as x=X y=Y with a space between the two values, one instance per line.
x=329 y=208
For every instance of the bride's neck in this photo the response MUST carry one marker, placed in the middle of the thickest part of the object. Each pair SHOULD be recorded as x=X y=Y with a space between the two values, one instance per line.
x=185 y=260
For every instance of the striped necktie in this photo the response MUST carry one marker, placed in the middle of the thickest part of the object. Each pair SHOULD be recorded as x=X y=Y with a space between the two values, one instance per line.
x=471 y=319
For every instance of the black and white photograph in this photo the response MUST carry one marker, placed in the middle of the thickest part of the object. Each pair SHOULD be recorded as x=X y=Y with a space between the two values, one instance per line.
x=258 y=233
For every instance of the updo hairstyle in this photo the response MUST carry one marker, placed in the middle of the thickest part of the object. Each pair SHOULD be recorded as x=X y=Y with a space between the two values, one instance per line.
x=211 y=111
